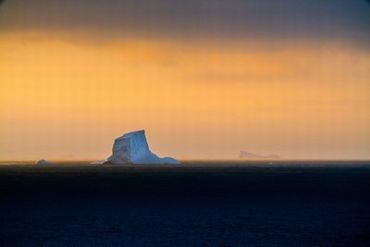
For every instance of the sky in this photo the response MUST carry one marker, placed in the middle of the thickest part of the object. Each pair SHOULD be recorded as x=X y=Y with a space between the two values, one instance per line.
x=205 y=78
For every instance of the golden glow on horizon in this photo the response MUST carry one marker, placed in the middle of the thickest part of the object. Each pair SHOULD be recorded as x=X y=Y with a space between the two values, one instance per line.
x=68 y=100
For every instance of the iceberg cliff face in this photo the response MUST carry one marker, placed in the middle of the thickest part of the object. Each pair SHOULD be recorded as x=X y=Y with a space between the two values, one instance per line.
x=132 y=148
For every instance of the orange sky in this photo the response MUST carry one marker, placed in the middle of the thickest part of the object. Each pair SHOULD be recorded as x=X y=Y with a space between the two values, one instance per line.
x=68 y=99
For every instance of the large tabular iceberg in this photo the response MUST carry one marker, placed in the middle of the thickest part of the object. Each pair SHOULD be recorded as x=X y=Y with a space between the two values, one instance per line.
x=132 y=148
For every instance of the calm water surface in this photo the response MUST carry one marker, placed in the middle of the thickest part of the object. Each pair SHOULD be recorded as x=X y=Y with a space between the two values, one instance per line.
x=295 y=203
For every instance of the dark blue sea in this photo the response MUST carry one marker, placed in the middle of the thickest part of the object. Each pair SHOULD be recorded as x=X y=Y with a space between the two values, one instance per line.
x=293 y=203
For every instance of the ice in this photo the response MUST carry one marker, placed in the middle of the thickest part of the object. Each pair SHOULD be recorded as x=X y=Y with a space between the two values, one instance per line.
x=248 y=155
x=43 y=163
x=133 y=148
x=98 y=162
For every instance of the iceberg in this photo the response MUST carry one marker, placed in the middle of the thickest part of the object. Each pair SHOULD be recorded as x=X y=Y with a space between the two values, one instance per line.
x=98 y=162
x=248 y=155
x=43 y=163
x=133 y=148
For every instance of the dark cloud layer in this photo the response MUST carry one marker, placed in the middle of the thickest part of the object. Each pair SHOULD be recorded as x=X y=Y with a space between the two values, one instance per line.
x=227 y=19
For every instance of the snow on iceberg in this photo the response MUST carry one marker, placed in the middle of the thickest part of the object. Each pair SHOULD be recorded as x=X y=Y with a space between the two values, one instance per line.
x=132 y=148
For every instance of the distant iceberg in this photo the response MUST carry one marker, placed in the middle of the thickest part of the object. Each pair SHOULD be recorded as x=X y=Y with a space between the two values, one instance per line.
x=132 y=148
x=43 y=163
x=248 y=155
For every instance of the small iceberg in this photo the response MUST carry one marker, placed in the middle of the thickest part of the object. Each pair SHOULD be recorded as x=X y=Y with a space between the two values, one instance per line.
x=43 y=163
x=133 y=148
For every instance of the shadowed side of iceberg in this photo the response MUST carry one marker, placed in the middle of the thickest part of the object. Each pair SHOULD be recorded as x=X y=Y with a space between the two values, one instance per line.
x=133 y=148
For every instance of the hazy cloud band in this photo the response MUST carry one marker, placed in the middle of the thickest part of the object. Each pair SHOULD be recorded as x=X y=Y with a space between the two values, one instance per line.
x=347 y=20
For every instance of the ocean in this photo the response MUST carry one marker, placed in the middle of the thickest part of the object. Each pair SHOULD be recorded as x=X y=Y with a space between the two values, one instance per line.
x=208 y=203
